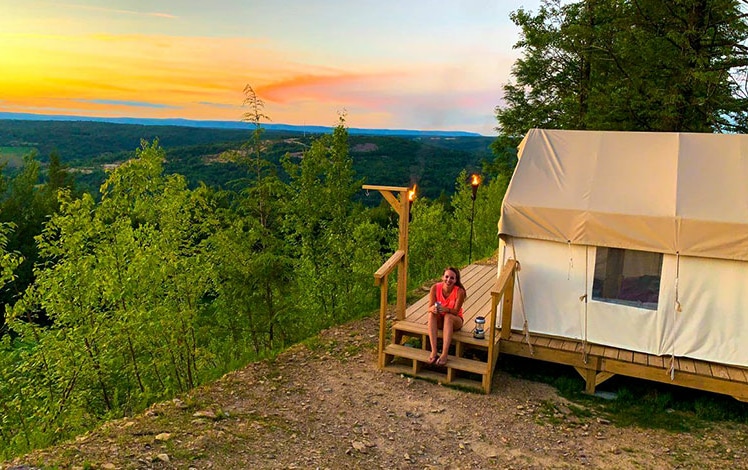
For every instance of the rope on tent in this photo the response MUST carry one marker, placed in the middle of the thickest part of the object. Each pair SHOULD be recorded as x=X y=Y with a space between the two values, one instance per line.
x=525 y=328
x=584 y=298
x=676 y=310
x=571 y=260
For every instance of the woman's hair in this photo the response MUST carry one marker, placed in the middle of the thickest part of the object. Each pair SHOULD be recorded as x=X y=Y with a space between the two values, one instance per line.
x=458 y=281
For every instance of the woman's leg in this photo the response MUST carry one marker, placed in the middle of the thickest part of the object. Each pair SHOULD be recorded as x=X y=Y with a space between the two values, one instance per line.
x=434 y=325
x=452 y=323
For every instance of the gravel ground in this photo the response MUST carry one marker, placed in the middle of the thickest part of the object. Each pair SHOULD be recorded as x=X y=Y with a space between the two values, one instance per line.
x=325 y=405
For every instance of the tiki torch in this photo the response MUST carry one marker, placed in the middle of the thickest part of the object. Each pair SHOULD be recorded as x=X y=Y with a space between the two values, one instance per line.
x=474 y=182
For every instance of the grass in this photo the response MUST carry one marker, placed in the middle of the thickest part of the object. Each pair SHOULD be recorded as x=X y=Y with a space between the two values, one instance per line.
x=14 y=155
x=638 y=402
x=548 y=413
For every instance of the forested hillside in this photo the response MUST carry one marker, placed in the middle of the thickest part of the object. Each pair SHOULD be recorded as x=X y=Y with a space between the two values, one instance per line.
x=150 y=284
x=196 y=153
x=125 y=281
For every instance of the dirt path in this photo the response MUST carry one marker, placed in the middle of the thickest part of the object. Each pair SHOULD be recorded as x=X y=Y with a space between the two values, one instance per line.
x=326 y=406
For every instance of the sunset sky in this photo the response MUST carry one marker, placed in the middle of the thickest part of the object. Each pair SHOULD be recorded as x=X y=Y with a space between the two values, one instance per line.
x=398 y=64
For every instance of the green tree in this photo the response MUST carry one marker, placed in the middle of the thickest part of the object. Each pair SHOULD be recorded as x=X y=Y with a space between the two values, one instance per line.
x=255 y=268
x=9 y=261
x=57 y=175
x=484 y=212
x=434 y=241
x=124 y=283
x=26 y=203
x=629 y=65
x=322 y=224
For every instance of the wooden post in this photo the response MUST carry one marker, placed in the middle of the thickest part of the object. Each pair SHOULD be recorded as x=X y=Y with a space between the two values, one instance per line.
x=402 y=270
x=506 y=310
x=401 y=205
x=382 y=320
x=381 y=279
x=504 y=287
x=400 y=258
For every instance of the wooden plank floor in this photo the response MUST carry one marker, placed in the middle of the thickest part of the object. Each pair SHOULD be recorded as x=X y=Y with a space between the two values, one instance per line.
x=478 y=280
x=692 y=373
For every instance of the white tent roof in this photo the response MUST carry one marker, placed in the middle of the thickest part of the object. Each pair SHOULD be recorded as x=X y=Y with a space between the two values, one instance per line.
x=661 y=192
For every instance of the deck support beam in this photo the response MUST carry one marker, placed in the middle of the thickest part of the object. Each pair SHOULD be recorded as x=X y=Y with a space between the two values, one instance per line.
x=597 y=369
x=592 y=375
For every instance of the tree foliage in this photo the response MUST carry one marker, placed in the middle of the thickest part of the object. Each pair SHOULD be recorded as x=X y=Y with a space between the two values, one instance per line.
x=152 y=287
x=322 y=223
x=123 y=285
x=26 y=202
x=644 y=65
x=256 y=278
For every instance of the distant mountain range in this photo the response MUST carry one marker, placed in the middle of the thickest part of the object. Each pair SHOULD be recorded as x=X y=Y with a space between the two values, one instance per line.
x=234 y=125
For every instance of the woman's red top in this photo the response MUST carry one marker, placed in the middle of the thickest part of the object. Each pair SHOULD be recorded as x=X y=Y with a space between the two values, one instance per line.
x=451 y=300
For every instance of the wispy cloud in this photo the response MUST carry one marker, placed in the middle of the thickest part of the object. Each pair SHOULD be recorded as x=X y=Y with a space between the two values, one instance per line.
x=313 y=86
x=390 y=64
x=214 y=105
x=136 y=104
x=118 y=11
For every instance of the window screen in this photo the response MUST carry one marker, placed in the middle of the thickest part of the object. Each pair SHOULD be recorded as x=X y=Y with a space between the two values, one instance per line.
x=627 y=277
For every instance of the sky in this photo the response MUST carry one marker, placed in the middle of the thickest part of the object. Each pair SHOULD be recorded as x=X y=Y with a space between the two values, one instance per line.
x=394 y=64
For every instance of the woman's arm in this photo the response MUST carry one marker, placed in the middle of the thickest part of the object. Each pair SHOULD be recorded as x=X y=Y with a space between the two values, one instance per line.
x=432 y=299
x=458 y=302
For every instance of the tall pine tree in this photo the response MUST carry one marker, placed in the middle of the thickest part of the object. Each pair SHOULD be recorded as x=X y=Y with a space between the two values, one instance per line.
x=642 y=65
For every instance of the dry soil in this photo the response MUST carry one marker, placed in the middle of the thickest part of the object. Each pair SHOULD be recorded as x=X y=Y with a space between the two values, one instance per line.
x=325 y=405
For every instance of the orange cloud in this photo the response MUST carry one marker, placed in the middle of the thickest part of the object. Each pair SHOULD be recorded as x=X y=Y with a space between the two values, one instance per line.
x=371 y=94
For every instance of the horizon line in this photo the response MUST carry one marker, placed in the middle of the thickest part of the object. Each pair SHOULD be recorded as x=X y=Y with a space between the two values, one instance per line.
x=221 y=124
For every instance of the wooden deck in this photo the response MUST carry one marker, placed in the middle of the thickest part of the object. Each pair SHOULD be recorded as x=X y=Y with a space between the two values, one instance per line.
x=473 y=361
x=478 y=280
x=602 y=362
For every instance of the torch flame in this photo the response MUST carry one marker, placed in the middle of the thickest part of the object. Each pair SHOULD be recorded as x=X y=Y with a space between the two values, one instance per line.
x=412 y=193
x=476 y=181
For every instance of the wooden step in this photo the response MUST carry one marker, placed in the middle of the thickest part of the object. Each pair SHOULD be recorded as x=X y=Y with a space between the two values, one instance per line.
x=422 y=355
x=460 y=335
x=438 y=377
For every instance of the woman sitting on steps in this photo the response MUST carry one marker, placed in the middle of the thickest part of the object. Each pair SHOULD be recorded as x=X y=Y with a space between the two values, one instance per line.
x=445 y=312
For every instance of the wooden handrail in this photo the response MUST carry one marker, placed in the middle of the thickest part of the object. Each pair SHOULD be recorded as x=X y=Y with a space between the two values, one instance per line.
x=506 y=272
x=388 y=266
x=380 y=279
x=375 y=187
x=504 y=287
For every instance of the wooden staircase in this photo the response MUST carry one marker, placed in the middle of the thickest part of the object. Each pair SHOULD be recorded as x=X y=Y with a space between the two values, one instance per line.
x=471 y=361
x=467 y=364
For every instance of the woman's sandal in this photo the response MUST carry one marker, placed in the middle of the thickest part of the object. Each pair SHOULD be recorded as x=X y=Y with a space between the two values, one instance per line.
x=440 y=362
x=433 y=359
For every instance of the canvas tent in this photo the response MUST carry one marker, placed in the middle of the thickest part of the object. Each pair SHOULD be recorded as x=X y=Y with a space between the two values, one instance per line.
x=633 y=240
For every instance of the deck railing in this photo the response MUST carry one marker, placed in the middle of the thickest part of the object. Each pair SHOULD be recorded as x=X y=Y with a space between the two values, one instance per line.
x=401 y=204
x=502 y=291
x=380 y=279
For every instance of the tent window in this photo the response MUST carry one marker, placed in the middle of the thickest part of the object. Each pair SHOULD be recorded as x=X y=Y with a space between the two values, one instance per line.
x=627 y=277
